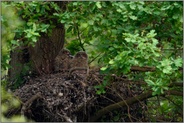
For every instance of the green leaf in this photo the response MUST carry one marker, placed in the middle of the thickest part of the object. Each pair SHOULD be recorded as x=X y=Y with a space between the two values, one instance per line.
x=34 y=27
x=176 y=16
x=97 y=86
x=28 y=35
x=155 y=41
x=90 y=22
x=132 y=6
x=75 y=3
x=44 y=27
x=119 y=10
x=103 y=91
x=14 y=42
x=141 y=46
x=151 y=34
x=165 y=62
x=158 y=90
x=111 y=62
x=69 y=29
x=34 y=39
x=161 y=91
x=133 y=17
x=111 y=48
x=95 y=28
x=37 y=9
x=103 y=68
x=167 y=70
x=150 y=82
x=35 y=33
x=166 y=88
x=98 y=92
x=154 y=93
x=178 y=62
x=114 y=31
x=63 y=21
x=98 y=4
x=128 y=39
x=157 y=12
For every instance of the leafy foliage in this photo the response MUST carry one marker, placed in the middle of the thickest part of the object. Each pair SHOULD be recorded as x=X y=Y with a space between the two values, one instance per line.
x=36 y=19
x=128 y=34
x=10 y=21
x=39 y=20
x=118 y=35
x=8 y=102
x=131 y=33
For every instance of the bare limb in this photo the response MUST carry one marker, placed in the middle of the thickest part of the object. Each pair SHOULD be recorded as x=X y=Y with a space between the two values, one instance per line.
x=142 y=69
x=129 y=101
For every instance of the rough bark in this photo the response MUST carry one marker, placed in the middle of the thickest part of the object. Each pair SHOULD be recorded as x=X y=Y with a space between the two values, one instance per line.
x=42 y=55
x=46 y=49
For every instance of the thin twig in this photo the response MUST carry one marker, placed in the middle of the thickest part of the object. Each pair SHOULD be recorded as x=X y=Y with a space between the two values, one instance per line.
x=95 y=58
x=28 y=103
x=80 y=41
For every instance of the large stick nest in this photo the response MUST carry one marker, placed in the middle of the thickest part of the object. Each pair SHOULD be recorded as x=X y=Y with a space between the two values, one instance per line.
x=57 y=97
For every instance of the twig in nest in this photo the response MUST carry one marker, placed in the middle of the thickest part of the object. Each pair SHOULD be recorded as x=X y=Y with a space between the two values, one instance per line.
x=81 y=105
x=78 y=68
x=65 y=117
x=28 y=103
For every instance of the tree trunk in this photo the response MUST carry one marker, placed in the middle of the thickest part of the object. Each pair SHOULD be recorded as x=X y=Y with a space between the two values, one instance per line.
x=16 y=64
x=42 y=55
x=45 y=51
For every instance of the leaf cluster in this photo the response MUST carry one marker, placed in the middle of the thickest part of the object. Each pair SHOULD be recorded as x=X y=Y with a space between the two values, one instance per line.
x=127 y=34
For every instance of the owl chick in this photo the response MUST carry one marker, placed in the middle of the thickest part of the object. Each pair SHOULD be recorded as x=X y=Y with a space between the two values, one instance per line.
x=62 y=60
x=80 y=60
x=79 y=64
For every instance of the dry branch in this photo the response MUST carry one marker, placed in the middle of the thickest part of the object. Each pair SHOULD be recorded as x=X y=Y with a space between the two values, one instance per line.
x=142 y=69
x=129 y=101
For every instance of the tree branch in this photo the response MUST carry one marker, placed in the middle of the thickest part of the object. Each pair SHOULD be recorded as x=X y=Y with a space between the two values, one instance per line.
x=176 y=84
x=129 y=101
x=142 y=69
x=95 y=58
